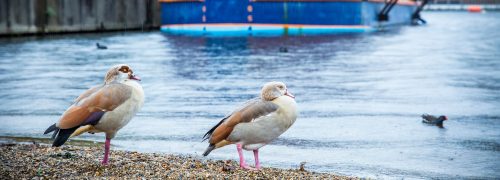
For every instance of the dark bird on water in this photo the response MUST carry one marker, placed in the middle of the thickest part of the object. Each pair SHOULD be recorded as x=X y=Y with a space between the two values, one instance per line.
x=430 y=119
x=283 y=49
x=100 y=46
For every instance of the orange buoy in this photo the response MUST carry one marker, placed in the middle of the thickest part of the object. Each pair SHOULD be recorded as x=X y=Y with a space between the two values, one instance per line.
x=474 y=9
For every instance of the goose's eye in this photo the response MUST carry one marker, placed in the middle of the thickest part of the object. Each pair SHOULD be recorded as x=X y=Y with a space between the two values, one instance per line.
x=124 y=69
x=280 y=86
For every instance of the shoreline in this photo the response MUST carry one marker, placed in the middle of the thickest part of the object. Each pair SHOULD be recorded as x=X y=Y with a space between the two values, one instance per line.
x=23 y=157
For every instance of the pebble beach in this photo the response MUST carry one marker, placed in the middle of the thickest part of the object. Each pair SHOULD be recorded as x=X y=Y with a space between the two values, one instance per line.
x=34 y=160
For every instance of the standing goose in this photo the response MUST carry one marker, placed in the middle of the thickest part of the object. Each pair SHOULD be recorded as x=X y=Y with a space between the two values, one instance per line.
x=104 y=108
x=256 y=124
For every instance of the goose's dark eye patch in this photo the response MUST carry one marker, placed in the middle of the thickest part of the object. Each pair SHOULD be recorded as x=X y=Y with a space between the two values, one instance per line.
x=124 y=69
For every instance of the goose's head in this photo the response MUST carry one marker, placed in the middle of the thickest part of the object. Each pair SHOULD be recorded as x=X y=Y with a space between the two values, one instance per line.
x=273 y=90
x=120 y=73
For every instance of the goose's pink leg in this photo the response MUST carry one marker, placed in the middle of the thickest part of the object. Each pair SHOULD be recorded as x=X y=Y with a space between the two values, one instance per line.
x=256 y=156
x=242 y=159
x=106 y=151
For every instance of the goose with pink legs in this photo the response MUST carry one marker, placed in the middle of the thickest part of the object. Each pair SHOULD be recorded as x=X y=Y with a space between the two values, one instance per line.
x=256 y=123
x=105 y=108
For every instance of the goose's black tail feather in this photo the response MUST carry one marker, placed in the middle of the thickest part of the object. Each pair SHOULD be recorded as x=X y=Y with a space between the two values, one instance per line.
x=209 y=149
x=209 y=133
x=51 y=128
x=60 y=136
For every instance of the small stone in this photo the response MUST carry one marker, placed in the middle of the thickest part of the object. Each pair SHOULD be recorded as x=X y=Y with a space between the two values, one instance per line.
x=227 y=168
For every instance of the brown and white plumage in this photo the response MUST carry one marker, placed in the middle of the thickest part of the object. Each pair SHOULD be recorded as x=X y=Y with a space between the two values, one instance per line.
x=103 y=98
x=257 y=123
x=104 y=108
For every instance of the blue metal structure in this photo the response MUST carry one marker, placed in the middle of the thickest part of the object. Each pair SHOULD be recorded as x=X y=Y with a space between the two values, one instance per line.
x=278 y=17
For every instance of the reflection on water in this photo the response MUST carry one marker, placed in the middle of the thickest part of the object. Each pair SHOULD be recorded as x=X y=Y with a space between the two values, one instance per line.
x=360 y=96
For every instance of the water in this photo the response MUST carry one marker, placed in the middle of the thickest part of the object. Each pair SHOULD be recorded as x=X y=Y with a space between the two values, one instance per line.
x=360 y=96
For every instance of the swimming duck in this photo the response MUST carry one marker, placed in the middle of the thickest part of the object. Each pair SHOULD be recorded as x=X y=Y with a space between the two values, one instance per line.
x=100 y=46
x=430 y=119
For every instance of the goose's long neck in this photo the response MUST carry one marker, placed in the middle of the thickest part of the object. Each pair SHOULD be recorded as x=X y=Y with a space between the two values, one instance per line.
x=138 y=92
x=288 y=109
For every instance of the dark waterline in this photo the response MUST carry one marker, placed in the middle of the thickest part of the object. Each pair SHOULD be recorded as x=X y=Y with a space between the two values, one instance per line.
x=360 y=95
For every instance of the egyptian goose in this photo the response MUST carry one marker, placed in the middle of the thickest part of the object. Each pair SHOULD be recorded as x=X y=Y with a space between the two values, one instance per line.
x=256 y=124
x=430 y=119
x=104 y=108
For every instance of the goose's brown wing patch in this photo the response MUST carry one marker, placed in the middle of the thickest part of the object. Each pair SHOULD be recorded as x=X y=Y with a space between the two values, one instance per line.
x=106 y=98
x=87 y=93
x=251 y=111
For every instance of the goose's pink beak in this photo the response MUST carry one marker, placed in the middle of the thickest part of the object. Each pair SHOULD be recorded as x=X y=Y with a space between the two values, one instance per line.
x=135 y=77
x=288 y=93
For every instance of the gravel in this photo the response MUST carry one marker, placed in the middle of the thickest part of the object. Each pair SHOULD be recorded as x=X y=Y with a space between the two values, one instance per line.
x=40 y=161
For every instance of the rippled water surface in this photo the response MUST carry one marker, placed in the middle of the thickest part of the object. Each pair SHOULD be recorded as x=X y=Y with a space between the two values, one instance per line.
x=360 y=96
